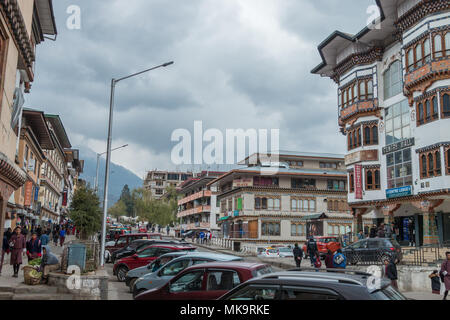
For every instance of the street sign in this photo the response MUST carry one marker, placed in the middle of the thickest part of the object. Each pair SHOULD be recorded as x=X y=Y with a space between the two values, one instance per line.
x=398 y=192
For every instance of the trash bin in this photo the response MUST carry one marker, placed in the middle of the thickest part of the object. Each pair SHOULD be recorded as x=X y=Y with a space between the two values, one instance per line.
x=76 y=256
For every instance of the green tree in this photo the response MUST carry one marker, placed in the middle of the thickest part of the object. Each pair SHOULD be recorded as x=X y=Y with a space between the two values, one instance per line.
x=118 y=209
x=127 y=199
x=85 y=212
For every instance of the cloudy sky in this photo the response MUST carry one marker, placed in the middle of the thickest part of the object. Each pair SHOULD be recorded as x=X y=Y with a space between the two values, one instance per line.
x=238 y=64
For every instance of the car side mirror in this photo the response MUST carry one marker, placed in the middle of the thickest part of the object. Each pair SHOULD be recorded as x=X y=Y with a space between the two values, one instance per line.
x=135 y=256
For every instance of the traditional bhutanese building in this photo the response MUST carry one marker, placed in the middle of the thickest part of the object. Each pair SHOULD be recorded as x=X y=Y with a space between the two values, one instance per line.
x=393 y=80
x=23 y=25
x=305 y=195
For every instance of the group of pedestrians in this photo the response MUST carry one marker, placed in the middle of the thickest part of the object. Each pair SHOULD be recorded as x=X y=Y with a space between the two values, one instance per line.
x=442 y=276
x=16 y=245
x=204 y=237
x=332 y=260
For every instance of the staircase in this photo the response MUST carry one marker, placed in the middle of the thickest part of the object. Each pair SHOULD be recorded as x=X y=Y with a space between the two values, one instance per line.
x=40 y=292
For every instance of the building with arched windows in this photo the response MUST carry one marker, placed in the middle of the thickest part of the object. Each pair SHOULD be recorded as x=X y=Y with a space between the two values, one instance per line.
x=393 y=81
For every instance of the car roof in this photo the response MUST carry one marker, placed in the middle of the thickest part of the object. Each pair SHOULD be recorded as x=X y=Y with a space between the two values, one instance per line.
x=167 y=245
x=135 y=234
x=235 y=265
x=215 y=256
x=346 y=276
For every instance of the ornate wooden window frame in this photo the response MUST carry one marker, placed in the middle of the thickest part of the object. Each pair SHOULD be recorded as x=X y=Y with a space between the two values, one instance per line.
x=354 y=139
x=267 y=202
x=447 y=160
x=372 y=186
x=417 y=63
x=303 y=199
x=428 y=172
x=351 y=182
x=296 y=224
x=445 y=47
x=371 y=140
x=433 y=116
x=349 y=96
x=441 y=97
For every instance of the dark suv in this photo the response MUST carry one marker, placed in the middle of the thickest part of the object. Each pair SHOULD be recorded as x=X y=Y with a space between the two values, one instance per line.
x=372 y=250
x=311 y=285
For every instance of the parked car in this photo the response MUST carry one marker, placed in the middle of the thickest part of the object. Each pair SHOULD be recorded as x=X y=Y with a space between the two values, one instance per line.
x=268 y=252
x=144 y=257
x=323 y=245
x=169 y=270
x=136 y=245
x=374 y=250
x=285 y=252
x=313 y=285
x=207 y=281
x=123 y=241
x=154 y=266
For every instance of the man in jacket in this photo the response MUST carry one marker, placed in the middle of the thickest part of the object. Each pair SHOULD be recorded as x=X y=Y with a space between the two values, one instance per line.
x=33 y=247
x=45 y=238
x=298 y=255
x=390 y=271
x=339 y=260
x=49 y=263
x=445 y=274
x=313 y=251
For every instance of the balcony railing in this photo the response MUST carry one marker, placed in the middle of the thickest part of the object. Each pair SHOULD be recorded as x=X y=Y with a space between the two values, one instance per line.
x=195 y=210
x=195 y=196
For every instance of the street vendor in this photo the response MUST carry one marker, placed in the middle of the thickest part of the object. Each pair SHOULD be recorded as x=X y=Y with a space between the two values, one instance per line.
x=49 y=263
x=34 y=247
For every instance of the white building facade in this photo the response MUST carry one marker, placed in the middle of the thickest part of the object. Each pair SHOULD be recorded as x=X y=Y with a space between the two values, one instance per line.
x=393 y=83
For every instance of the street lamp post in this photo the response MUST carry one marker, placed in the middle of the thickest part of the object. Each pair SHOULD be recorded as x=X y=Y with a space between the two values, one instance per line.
x=108 y=154
x=98 y=166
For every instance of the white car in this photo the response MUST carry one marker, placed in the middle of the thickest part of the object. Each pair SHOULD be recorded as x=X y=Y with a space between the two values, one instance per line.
x=268 y=252
x=285 y=252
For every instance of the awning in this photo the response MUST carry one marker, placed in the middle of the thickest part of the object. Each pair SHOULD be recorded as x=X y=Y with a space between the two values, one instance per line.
x=314 y=217
x=224 y=218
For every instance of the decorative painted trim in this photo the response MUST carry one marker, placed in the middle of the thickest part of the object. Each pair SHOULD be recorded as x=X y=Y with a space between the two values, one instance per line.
x=12 y=172
x=359 y=58
x=432 y=147
x=420 y=196
x=418 y=12
x=17 y=27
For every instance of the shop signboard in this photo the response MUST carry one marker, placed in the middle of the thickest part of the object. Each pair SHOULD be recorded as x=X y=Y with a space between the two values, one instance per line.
x=358 y=181
x=398 y=192
x=398 y=146
x=243 y=182
x=28 y=193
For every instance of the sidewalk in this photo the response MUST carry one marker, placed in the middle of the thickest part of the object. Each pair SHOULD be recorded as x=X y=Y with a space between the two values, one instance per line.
x=6 y=279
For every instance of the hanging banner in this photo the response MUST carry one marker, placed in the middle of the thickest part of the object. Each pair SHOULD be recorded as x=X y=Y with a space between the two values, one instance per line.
x=28 y=193
x=64 y=202
x=358 y=181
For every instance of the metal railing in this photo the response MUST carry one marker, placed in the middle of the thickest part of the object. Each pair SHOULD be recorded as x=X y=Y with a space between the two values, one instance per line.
x=430 y=254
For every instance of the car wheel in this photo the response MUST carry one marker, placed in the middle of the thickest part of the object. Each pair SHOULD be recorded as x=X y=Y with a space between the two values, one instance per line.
x=122 y=273
x=132 y=282
x=107 y=256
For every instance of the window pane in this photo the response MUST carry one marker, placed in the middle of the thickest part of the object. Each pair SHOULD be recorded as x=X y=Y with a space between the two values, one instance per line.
x=406 y=132
x=390 y=159
x=398 y=157
x=407 y=155
x=397 y=109
x=397 y=122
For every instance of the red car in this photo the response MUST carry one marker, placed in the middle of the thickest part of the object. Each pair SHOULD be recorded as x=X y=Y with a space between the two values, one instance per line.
x=124 y=241
x=324 y=244
x=144 y=257
x=206 y=281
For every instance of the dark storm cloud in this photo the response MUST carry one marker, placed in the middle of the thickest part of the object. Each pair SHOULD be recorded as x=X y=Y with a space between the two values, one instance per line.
x=238 y=64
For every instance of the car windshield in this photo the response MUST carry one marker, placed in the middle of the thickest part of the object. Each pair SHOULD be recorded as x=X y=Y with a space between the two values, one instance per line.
x=387 y=293
x=327 y=240
x=285 y=250
x=272 y=251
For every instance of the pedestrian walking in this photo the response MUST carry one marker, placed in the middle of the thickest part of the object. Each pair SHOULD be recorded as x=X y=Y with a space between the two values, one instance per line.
x=18 y=249
x=45 y=239
x=329 y=260
x=55 y=236
x=62 y=236
x=39 y=231
x=373 y=232
x=360 y=235
x=435 y=282
x=312 y=250
x=445 y=274
x=5 y=250
x=381 y=232
x=412 y=233
x=390 y=271
x=202 y=237
x=33 y=247
x=49 y=263
x=168 y=229
x=339 y=260
x=298 y=255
